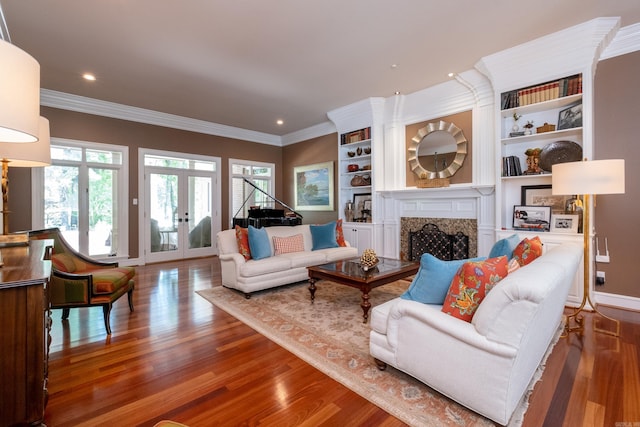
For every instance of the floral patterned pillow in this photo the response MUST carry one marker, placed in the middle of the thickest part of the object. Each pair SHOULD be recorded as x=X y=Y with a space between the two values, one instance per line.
x=527 y=250
x=470 y=285
x=340 y=234
x=242 y=237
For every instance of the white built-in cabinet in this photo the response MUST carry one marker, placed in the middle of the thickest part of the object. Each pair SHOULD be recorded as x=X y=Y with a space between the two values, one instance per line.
x=543 y=110
x=359 y=162
x=530 y=67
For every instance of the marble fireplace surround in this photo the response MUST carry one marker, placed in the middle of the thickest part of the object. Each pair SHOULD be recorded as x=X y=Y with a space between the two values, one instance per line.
x=468 y=227
x=441 y=206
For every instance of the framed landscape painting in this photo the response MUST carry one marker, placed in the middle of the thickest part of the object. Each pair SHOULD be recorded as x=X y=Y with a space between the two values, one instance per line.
x=313 y=187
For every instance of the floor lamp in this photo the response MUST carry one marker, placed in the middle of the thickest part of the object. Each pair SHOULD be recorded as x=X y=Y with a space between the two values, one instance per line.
x=33 y=154
x=588 y=178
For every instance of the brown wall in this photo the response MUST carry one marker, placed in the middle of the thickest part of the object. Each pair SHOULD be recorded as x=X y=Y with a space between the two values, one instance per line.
x=464 y=121
x=616 y=136
x=317 y=150
x=87 y=127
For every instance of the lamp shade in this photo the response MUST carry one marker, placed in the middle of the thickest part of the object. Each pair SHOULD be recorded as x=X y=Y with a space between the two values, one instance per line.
x=588 y=177
x=34 y=154
x=19 y=95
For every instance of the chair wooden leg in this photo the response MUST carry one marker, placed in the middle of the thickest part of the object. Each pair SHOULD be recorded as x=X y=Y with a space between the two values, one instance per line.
x=65 y=313
x=130 y=296
x=106 y=309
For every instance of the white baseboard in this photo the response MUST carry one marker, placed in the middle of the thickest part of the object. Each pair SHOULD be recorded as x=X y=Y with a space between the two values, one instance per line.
x=619 y=301
x=131 y=262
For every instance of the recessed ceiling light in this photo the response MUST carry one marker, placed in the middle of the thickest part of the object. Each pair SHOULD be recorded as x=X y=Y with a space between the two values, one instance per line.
x=394 y=65
x=451 y=74
x=89 y=76
x=279 y=122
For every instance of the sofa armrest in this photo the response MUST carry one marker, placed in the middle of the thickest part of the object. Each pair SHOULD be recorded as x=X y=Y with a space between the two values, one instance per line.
x=430 y=317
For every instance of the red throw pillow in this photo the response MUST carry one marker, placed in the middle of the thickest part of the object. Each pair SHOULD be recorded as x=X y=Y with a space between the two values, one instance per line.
x=470 y=285
x=340 y=234
x=242 y=237
x=528 y=250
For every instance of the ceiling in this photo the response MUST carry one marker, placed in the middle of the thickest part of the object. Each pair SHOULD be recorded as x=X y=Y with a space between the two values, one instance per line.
x=248 y=63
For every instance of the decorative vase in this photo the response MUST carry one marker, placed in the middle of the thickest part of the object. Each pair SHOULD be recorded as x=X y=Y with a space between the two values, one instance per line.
x=348 y=212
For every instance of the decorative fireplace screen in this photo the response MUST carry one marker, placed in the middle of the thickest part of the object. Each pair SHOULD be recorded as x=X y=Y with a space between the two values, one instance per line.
x=438 y=243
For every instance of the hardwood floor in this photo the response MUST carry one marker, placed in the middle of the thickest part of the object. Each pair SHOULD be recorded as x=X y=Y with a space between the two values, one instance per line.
x=178 y=357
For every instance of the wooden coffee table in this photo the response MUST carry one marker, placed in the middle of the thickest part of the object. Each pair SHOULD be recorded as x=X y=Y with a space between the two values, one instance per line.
x=349 y=273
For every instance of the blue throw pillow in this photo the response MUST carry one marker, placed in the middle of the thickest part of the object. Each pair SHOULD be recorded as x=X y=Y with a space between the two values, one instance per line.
x=505 y=247
x=323 y=236
x=259 y=243
x=431 y=284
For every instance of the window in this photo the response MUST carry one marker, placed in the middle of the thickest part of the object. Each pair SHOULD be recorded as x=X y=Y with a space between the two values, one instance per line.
x=85 y=196
x=261 y=175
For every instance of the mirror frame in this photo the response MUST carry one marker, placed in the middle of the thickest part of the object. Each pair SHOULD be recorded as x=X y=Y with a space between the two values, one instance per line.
x=461 y=150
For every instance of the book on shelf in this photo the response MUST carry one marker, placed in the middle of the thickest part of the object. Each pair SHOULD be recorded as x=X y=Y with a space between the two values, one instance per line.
x=355 y=136
x=511 y=166
x=547 y=91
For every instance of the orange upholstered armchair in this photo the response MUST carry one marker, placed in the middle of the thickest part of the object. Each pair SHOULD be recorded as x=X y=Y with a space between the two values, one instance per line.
x=79 y=281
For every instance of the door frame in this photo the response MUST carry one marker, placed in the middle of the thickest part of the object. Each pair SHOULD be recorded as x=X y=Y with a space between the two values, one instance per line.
x=141 y=200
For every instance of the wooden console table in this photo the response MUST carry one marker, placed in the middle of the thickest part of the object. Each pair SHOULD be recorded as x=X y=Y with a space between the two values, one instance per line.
x=24 y=332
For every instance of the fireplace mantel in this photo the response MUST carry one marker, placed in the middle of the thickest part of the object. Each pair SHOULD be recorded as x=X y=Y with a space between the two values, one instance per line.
x=455 y=201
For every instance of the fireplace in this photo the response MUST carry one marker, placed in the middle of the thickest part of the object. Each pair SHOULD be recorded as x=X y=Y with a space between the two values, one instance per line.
x=450 y=226
x=465 y=209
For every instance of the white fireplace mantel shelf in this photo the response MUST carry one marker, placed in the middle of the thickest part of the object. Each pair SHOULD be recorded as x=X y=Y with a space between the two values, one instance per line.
x=453 y=191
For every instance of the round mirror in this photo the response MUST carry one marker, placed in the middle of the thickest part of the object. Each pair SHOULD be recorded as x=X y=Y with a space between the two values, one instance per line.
x=437 y=151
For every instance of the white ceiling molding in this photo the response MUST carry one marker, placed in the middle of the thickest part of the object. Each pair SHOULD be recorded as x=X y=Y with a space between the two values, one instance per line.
x=572 y=50
x=316 y=131
x=65 y=101
x=626 y=40
x=357 y=115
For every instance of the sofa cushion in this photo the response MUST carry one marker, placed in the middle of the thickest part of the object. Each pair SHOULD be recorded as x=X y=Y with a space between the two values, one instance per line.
x=304 y=259
x=285 y=245
x=434 y=277
x=242 y=236
x=109 y=280
x=324 y=236
x=273 y=264
x=528 y=250
x=470 y=285
x=505 y=247
x=259 y=243
x=340 y=234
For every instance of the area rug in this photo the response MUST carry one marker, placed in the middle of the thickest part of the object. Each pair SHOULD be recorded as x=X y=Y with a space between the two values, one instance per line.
x=330 y=335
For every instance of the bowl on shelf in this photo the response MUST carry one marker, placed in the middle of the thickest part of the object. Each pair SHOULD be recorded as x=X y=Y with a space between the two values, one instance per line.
x=353 y=168
x=351 y=153
x=367 y=150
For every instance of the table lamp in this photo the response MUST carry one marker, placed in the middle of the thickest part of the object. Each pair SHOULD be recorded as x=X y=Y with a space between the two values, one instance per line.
x=588 y=178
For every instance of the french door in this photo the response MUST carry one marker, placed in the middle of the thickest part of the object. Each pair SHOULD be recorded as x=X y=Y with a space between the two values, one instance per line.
x=178 y=213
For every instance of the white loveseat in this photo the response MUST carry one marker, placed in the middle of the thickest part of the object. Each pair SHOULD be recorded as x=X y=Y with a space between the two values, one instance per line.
x=485 y=365
x=254 y=275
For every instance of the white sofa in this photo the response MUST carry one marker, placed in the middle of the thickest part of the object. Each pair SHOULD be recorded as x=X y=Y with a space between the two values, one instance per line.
x=254 y=275
x=485 y=365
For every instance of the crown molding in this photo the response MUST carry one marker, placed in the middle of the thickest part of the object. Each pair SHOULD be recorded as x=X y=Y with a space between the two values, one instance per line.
x=573 y=50
x=321 y=129
x=626 y=40
x=66 y=101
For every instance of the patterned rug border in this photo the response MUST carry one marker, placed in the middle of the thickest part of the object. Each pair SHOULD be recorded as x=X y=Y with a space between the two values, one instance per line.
x=344 y=376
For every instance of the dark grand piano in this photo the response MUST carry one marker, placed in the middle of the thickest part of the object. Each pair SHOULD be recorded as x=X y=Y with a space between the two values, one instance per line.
x=266 y=217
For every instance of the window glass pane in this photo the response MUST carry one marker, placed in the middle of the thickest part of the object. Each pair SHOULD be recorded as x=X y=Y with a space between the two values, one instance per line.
x=203 y=166
x=261 y=171
x=104 y=156
x=260 y=198
x=102 y=211
x=61 y=201
x=66 y=153
x=237 y=169
x=165 y=162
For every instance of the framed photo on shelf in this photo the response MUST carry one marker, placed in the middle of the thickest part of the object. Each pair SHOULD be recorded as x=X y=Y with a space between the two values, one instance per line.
x=313 y=187
x=540 y=195
x=570 y=117
x=564 y=223
x=531 y=218
x=361 y=202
